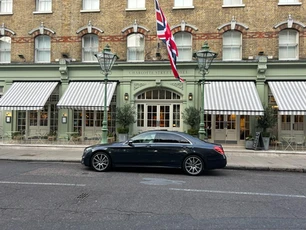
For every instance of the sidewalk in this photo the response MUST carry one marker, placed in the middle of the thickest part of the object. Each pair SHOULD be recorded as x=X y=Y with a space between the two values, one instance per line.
x=238 y=157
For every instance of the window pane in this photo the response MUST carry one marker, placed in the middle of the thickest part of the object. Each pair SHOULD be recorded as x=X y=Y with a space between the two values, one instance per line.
x=90 y=47
x=232 y=2
x=42 y=48
x=183 y=41
x=232 y=45
x=44 y=5
x=5 y=49
x=183 y=3
x=91 y=5
x=6 y=6
x=288 y=44
x=288 y=1
x=135 y=46
x=136 y=4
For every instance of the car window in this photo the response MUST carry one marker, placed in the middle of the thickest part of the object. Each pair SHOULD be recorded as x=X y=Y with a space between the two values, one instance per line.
x=170 y=138
x=144 y=138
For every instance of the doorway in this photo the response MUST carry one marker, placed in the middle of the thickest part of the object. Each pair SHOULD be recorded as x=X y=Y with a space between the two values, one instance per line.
x=226 y=126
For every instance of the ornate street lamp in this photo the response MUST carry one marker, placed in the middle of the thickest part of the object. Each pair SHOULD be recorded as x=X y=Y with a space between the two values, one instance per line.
x=204 y=58
x=106 y=60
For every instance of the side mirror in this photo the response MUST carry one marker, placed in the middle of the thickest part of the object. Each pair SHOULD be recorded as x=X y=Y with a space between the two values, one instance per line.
x=130 y=143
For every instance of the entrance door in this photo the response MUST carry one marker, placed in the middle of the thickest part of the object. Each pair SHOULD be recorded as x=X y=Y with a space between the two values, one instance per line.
x=226 y=128
x=158 y=116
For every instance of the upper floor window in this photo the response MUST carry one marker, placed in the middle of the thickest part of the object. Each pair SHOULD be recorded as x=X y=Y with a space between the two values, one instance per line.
x=6 y=6
x=288 y=45
x=90 y=45
x=232 y=2
x=5 y=49
x=42 y=48
x=232 y=44
x=289 y=1
x=135 y=4
x=135 y=47
x=183 y=3
x=91 y=4
x=43 y=5
x=183 y=41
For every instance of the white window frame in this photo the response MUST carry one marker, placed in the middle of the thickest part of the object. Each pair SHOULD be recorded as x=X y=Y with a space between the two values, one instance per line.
x=289 y=2
x=183 y=4
x=136 y=4
x=135 y=47
x=91 y=5
x=5 y=49
x=43 y=5
x=233 y=3
x=42 y=46
x=90 y=46
x=183 y=42
x=229 y=45
x=284 y=42
x=6 y=6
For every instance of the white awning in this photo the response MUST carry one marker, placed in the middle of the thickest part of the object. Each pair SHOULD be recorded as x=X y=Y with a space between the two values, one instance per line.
x=232 y=97
x=290 y=96
x=27 y=95
x=86 y=95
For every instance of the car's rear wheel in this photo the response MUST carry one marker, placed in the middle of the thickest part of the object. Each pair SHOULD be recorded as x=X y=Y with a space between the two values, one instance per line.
x=193 y=165
x=101 y=162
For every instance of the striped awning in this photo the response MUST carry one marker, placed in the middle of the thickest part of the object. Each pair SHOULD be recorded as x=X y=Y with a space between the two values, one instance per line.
x=27 y=95
x=86 y=96
x=290 y=96
x=232 y=97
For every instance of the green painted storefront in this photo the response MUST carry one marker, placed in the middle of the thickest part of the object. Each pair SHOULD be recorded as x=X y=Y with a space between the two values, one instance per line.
x=157 y=96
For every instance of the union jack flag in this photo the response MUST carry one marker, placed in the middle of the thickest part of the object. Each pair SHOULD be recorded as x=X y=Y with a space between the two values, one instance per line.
x=164 y=34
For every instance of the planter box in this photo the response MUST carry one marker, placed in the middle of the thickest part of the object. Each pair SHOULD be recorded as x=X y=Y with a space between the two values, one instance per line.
x=122 y=137
x=266 y=142
x=249 y=144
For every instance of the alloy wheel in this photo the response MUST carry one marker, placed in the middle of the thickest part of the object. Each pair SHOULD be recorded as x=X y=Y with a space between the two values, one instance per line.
x=100 y=162
x=193 y=165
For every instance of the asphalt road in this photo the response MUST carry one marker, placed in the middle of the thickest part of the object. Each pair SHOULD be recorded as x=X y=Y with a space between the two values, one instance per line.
x=45 y=195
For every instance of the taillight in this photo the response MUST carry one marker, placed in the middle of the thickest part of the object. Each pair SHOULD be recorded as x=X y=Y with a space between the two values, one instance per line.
x=219 y=149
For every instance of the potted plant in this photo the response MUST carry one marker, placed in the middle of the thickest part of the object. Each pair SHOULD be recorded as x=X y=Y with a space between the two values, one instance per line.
x=266 y=121
x=249 y=141
x=125 y=116
x=191 y=117
x=51 y=135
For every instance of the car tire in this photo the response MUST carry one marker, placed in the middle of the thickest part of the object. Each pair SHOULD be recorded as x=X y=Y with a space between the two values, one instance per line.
x=101 y=162
x=193 y=165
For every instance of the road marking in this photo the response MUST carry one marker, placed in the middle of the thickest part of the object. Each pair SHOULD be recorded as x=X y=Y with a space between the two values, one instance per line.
x=239 y=193
x=36 y=183
x=161 y=181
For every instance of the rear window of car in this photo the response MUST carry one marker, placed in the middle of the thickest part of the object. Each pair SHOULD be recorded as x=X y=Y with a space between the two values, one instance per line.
x=170 y=138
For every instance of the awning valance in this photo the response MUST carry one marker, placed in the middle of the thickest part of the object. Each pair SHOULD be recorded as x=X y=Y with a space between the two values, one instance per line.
x=27 y=95
x=86 y=95
x=290 y=96
x=232 y=97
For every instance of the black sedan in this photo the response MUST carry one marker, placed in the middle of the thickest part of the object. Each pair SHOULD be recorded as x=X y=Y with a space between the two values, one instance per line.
x=166 y=149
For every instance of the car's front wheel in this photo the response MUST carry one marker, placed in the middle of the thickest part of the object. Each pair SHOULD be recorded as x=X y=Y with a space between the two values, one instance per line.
x=193 y=165
x=101 y=162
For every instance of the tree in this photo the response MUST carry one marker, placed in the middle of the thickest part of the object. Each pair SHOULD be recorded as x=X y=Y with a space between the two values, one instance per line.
x=125 y=116
x=267 y=120
x=191 y=117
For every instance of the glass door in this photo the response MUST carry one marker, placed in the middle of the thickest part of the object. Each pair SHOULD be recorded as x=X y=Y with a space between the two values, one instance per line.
x=226 y=128
x=158 y=116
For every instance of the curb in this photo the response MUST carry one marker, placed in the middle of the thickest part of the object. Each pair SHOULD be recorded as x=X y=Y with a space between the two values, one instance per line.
x=229 y=167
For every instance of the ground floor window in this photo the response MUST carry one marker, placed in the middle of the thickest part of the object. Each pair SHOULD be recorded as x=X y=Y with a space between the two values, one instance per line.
x=88 y=123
